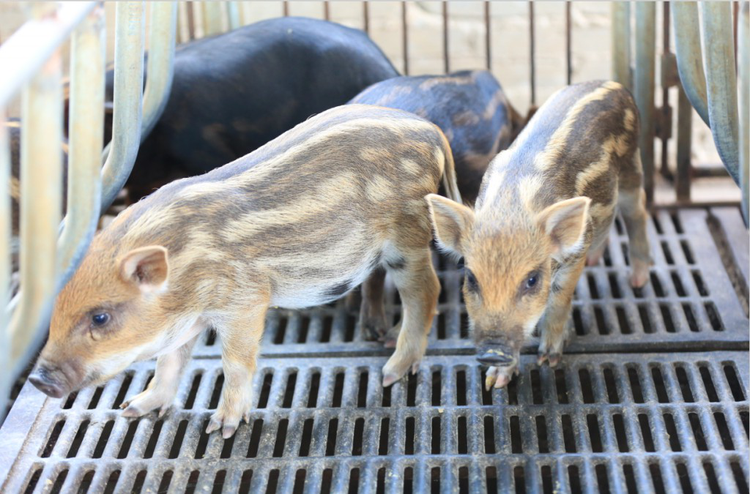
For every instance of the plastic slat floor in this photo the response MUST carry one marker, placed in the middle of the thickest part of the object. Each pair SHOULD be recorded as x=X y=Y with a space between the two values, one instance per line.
x=651 y=396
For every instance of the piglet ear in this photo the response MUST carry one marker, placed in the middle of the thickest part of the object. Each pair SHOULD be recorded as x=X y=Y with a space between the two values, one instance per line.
x=565 y=223
x=452 y=222
x=146 y=267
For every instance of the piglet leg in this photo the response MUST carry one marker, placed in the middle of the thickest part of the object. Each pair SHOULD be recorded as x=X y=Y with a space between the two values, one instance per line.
x=240 y=337
x=632 y=205
x=372 y=316
x=419 y=287
x=553 y=325
x=162 y=389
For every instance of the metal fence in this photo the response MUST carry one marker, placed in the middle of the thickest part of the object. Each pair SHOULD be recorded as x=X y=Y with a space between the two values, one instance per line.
x=50 y=253
x=51 y=249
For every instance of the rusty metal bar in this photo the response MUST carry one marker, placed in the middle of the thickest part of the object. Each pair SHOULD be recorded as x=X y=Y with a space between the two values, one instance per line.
x=689 y=55
x=326 y=11
x=721 y=81
x=191 y=20
x=621 y=43
x=366 y=16
x=128 y=93
x=446 y=54
x=41 y=201
x=532 y=58
x=162 y=39
x=23 y=54
x=405 y=38
x=645 y=66
x=743 y=66
x=286 y=8
x=684 y=144
x=213 y=18
x=88 y=59
x=488 y=35
x=568 y=45
x=5 y=263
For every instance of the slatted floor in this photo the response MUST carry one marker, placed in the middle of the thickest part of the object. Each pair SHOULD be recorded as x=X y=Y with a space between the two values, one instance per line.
x=652 y=396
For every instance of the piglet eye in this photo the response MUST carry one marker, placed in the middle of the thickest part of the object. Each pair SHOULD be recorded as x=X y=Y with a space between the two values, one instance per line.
x=471 y=281
x=532 y=280
x=100 y=319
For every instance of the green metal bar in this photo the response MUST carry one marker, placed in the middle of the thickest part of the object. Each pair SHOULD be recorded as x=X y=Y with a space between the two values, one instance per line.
x=689 y=55
x=645 y=84
x=128 y=93
x=621 y=43
x=743 y=54
x=5 y=264
x=88 y=59
x=160 y=69
x=721 y=81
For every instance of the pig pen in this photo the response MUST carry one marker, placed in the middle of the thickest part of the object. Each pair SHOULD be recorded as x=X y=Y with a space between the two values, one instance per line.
x=651 y=394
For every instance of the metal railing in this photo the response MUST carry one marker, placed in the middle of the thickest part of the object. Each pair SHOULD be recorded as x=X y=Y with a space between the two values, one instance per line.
x=51 y=250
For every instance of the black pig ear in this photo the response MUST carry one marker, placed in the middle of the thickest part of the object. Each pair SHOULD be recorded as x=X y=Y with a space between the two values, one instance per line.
x=451 y=221
x=147 y=267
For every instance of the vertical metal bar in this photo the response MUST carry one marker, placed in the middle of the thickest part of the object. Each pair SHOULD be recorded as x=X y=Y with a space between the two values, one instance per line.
x=5 y=269
x=743 y=66
x=721 y=82
x=532 y=58
x=366 y=16
x=568 y=45
x=41 y=201
x=446 y=54
x=191 y=19
x=162 y=37
x=684 y=143
x=488 y=35
x=246 y=13
x=88 y=59
x=326 y=11
x=621 y=43
x=233 y=15
x=213 y=22
x=128 y=94
x=664 y=138
x=687 y=46
x=405 y=38
x=285 y=8
x=645 y=66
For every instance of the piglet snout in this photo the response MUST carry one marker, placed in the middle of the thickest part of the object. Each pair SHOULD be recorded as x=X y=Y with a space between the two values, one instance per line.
x=497 y=356
x=46 y=384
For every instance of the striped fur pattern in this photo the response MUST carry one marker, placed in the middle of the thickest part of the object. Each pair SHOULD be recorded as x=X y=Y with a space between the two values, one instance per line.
x=299 y=222
x=545 y=205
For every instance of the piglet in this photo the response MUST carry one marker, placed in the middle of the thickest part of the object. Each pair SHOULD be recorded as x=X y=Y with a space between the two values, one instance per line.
x=297 y=223
x=546 y=206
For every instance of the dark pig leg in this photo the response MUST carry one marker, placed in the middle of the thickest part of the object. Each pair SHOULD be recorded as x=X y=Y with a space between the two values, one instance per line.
x=372 y=318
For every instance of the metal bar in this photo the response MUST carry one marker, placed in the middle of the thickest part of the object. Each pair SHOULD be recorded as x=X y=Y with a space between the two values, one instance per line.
x=191 y=20
x=326 y=11
x=246 y=13
x=5 y=264
x=664 y=138
x=88 y=58
x=568 y=44
x=621 y=43
x=33 y=43
x=405 y=38
x=488 y=35
x=743 y=66
x=446 y=54
x=721 y=82
x=162 y=38
x=366 y=16
x=233 y=15
x=687 y=45
x=213 y=18
x=286 y=8
x=684 y=143
x=645 y=66
x=128 y=93
x=532 y=58
x=41 y=198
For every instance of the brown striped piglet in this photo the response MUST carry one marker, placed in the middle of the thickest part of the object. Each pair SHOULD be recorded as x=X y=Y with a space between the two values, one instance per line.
x=472 y=110
x=546 y=206
x=297 y=223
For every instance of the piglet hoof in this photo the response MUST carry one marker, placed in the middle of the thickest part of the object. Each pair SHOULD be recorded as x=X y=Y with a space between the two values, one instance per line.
x=223 y=421
x=552 y=358
x=639 y=274
x=391 y=337
x=389 y=379
x=146 y=402
x=499 y=377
